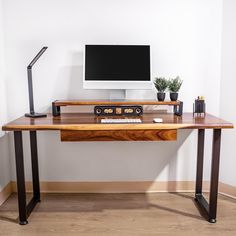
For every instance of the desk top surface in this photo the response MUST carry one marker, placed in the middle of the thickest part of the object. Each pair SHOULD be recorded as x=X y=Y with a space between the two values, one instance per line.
x=87 y=121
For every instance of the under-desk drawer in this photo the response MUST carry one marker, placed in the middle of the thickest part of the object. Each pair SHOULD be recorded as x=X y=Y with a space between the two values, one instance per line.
x=119 y=135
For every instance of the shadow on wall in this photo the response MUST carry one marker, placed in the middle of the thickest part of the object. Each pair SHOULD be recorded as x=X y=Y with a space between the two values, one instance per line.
x=107 y=161
x=69 y=85
x=94 y=160
x=5 y=168
x=89 y=161
x=74 y=84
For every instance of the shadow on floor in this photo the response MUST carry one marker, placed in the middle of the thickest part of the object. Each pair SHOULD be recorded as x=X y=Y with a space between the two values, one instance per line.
x=169 y=202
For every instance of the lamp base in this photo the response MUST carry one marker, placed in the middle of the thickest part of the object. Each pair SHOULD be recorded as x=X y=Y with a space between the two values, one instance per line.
x=35 y=115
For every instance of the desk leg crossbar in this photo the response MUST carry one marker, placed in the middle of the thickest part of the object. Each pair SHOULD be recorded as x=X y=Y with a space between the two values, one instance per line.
x=24 y=208
x=211 y=207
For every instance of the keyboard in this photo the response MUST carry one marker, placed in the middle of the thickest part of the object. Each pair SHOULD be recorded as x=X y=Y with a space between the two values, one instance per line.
x=120 y=121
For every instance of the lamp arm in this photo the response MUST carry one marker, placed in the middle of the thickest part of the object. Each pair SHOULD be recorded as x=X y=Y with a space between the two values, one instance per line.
x=30 y=87
x=37 y=57
x=32 y=113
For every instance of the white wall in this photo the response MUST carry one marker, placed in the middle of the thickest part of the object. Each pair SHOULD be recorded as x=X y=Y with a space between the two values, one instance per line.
x=5 y=175
x=185 y=41
x=228 y=94
x=3 y=101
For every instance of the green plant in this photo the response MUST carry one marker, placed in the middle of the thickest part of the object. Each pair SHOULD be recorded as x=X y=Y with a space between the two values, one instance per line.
x=161 y=84
x=174 y=85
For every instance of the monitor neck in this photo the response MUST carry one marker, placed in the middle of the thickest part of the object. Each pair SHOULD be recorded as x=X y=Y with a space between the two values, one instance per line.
x=117 y=94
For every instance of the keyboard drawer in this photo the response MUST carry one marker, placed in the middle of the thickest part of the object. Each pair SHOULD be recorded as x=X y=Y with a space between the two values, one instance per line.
x=118 y=135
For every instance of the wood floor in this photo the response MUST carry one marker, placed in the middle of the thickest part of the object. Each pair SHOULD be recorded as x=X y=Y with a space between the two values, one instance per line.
x=118 y=214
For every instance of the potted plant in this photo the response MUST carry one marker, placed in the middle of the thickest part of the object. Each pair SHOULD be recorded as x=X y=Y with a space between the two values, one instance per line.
x=161 y=85
x=174 y=87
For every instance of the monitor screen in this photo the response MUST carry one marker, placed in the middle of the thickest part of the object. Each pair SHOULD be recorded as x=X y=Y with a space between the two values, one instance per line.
x=117 y=63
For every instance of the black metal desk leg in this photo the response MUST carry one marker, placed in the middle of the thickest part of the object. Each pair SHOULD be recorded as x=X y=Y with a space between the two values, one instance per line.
x=214 y=175
x=211 y=207
x=20 y=175
x=200 y=156
x=34 y=163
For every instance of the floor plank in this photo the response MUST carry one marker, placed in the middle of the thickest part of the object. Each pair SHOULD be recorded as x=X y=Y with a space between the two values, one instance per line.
x=118 y=214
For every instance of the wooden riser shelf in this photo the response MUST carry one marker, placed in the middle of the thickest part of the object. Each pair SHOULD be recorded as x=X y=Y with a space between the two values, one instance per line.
x=56 y=105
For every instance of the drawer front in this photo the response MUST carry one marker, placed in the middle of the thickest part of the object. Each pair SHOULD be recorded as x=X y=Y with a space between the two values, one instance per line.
x=118 y=135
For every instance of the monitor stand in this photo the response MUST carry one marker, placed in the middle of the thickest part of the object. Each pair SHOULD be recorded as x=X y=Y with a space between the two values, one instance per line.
x=117 y=94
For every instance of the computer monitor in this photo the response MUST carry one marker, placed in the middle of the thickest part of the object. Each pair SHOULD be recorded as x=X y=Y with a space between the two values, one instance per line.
x=117 y=67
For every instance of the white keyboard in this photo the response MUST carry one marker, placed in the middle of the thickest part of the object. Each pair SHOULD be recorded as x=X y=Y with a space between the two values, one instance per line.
x=120 y=121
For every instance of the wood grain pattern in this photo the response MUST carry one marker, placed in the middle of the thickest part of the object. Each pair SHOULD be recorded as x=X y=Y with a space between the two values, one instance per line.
x=113 y=102
x=168 y=214
x=119 y=135
x=87 y=121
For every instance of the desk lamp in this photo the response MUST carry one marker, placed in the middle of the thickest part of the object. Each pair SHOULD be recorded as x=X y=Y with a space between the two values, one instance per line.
x=32 y=113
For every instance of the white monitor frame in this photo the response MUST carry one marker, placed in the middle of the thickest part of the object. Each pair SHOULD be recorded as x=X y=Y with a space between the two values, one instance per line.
x=104 y=84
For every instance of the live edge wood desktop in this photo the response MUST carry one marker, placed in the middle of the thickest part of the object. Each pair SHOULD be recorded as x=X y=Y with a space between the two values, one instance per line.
x=87 y=127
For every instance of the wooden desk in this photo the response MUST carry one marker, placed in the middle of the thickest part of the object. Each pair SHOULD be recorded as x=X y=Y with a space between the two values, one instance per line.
x=87 y=127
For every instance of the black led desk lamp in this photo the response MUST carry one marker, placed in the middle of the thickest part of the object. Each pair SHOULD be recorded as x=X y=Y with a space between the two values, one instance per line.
x=32 y=113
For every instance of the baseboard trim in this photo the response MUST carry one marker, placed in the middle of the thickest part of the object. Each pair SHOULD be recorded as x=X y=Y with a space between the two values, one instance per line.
x=115 y=187
x=5 y=193
x=227 y=190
